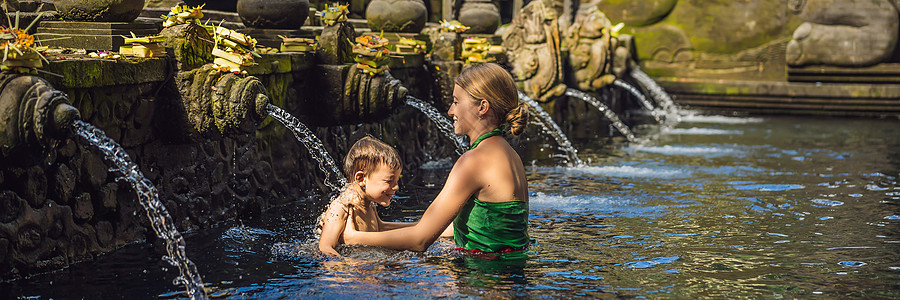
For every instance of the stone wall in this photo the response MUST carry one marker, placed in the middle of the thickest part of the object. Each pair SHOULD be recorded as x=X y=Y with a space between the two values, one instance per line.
x=62 y=205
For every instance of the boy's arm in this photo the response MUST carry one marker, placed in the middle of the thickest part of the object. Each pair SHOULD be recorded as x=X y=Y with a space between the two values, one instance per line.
x=333 y=223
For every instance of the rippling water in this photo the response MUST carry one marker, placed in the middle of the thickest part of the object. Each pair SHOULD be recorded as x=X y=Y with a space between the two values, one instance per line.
x=719 y=207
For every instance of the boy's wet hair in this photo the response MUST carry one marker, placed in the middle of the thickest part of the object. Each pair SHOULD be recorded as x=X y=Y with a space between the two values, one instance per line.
x=366 y=154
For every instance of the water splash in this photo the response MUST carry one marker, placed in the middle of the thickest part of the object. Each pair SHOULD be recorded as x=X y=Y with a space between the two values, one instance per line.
x=334 y=178
x=640 y=97
x=442 y=123
x=148 y=197
x=610 y=115
x=657 y=92
x=551 y=128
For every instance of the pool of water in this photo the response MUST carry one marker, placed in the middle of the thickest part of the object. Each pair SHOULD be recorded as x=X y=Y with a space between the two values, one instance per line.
x=715 y=206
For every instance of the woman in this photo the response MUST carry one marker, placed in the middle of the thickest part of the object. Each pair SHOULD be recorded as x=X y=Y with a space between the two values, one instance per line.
x=486 y=193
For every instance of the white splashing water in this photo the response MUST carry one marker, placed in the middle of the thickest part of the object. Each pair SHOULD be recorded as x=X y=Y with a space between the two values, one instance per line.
x=701 y=131
x=619 y=171
x=550 y=127
x=148 y=197
x=685 y=150
x=443 y=124
x=694 y=118
x=334 y=178
x=610 y=115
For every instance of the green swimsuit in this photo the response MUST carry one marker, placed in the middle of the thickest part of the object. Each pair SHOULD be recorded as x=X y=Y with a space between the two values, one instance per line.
x=491 y=226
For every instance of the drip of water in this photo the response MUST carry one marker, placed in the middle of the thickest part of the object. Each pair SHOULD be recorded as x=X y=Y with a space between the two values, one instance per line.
x=610 y=115
x=641 y=99
x=657 y=92
x=148 y=197
x=442 y=123
x=334 y=179
x=551 y=128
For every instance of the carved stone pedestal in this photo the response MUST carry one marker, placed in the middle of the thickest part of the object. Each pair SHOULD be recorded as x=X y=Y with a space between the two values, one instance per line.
x=92 y=35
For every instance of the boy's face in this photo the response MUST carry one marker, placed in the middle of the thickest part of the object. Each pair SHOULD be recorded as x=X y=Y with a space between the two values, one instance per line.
x=381 y=184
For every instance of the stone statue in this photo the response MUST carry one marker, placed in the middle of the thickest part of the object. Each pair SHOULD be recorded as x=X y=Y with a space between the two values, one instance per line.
x=850 y=33
x=591 y=48
x=533 y=47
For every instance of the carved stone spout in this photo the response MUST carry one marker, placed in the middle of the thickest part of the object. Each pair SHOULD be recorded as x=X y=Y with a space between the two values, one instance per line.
x=32 y=113
x=218 y=103
x=342 y=94
x=367 y=95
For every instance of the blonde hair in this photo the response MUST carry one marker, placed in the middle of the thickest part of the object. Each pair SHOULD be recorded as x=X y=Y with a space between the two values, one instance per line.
x=489 y=81
x=366 y=154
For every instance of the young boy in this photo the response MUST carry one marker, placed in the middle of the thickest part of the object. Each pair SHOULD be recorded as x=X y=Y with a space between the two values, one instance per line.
x=373 y=169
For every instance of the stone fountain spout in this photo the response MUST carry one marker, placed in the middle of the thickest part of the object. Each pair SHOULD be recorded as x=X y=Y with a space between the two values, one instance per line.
x=219 y=103
x=32 y=113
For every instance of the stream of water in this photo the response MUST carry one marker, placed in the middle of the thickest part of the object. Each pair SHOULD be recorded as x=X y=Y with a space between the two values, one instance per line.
x=657 y=92
x=148 y=197
x=609 y=114
x=443 y=124
x=646 y=104
x=551 y=128
x=334 y=179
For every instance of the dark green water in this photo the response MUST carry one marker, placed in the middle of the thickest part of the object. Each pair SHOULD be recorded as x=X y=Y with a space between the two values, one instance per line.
x=716 y=207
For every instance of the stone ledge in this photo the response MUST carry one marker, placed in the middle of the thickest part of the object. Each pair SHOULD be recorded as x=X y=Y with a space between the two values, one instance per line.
x=82 y=72
x=845 y=99
x=92 y=72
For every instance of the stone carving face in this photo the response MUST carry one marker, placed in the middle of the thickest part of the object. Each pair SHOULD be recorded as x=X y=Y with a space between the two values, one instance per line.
x=590 y=48
x=532 y=44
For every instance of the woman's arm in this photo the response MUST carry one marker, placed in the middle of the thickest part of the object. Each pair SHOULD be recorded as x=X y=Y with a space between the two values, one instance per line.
x=448 y=232
x=385 y=226
x=333 y=222
x=460 y=185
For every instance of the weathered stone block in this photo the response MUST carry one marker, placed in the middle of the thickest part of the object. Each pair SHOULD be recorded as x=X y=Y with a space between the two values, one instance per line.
x=4 y=249
x=94 y=170
x=89 y=73
x=10 y=206
x=29 y=237
x=105 y=234
x=63 y=185
x=83 y=207
x=108 y=194
x=36 y=187
x=92 y=35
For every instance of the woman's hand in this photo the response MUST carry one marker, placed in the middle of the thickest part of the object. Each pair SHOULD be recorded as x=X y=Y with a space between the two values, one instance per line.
x=350 y=231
